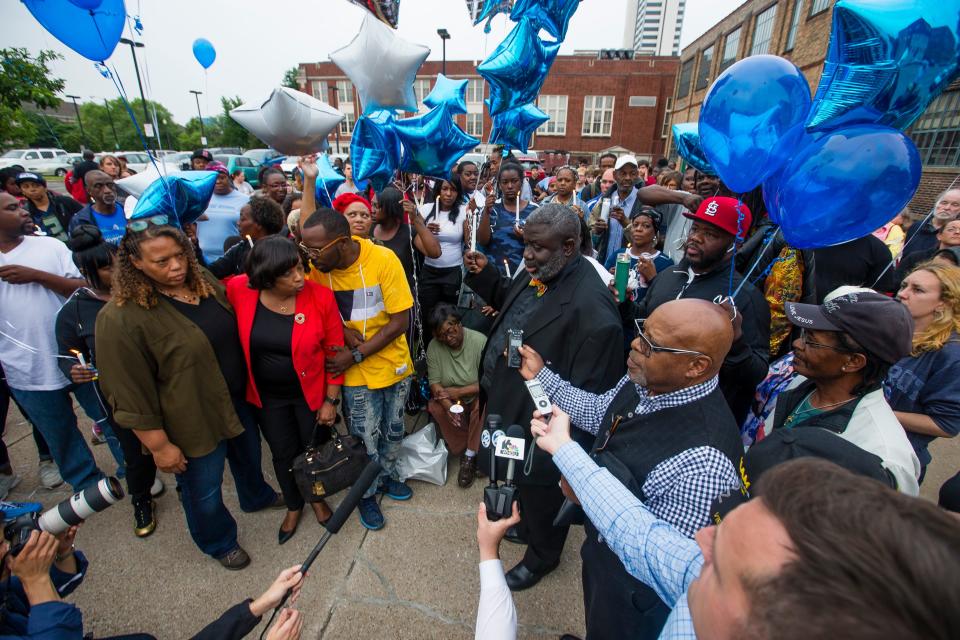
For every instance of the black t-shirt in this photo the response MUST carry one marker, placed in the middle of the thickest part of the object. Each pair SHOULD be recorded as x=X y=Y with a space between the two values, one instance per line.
x=400 y=244
x=271 y=357
x=220 y=327
x=858 y=262
x=56 y=219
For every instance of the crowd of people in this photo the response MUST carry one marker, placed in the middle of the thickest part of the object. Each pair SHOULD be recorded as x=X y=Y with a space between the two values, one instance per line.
x=679 y=401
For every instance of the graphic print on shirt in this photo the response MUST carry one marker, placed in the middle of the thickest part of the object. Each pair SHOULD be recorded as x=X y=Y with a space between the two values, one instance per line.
x=361 y=304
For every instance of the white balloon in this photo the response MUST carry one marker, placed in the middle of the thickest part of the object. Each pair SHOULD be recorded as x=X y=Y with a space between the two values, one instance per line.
x=290 y=121
x=382 y=66
x=136 y=184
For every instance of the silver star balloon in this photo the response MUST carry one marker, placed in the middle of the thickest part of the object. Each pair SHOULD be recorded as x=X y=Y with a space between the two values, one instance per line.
x=290 y=121
x=382 y=66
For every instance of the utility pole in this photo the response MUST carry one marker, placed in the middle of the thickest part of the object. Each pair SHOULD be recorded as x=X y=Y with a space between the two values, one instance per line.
x=83 y=135
x=147 y=126
x=444 y=36
x=203 y=136
x=336 y=92
x=116 y=138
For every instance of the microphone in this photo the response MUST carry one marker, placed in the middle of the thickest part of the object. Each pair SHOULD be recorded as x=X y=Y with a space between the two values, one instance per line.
x=514 y=431
x=494 y=422
x=339 y=517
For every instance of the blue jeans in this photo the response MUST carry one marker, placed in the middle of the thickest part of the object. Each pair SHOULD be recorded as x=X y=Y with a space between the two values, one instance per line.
x=211 y=526
x=376 y=415
x=52 y=413
x=89 y=398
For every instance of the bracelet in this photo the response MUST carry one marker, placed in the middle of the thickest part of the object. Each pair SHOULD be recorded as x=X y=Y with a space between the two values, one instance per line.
x=61 y=558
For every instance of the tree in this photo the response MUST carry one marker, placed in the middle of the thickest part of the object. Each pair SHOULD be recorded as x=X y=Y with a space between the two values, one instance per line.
x=24 y=79
x=235 y=135
x=291 y=78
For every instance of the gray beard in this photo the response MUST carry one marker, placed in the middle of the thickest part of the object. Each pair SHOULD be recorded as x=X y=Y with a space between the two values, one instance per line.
x=550 y=270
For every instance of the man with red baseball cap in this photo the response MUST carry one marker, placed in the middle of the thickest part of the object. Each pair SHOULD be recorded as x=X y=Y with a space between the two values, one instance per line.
x=705 y=273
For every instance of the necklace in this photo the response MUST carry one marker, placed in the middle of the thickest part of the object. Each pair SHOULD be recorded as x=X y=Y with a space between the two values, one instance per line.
x=808 y=400
x=283 y=305
x=191 y=298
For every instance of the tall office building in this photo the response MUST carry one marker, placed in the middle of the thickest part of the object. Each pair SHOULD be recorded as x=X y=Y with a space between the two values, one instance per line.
x=652 y=27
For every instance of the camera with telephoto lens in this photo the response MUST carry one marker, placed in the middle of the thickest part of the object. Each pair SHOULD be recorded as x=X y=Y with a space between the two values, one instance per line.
x=68 y=513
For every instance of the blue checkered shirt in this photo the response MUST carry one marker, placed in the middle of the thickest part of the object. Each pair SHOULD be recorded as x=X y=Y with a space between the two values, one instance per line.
x=680 y=489
x=651 y=550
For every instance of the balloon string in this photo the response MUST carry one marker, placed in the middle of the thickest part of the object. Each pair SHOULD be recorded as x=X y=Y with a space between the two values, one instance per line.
x=756 y=263
x=738 y=238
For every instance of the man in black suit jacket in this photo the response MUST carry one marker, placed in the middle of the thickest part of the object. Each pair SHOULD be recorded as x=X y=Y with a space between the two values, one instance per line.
x=568 y=315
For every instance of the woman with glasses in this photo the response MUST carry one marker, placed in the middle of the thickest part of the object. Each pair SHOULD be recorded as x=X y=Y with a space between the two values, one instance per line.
x=841 y=357
x=172 y=369
x=287 y=328
x=924 y=387
x=94 y=258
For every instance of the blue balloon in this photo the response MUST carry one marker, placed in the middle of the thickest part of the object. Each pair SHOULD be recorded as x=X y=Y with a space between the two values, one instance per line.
x=553 y=16
x=375 y=149
x=749 y=116
x=91 y=31
x=449 y=93
x=842 y=185
x=328 y=181
x=517 y=68
x=183 y=197
x=886 y=61
x=513 y=128
x=204 y=52
x=432 y=143
x=490 y=9
x=686 y=137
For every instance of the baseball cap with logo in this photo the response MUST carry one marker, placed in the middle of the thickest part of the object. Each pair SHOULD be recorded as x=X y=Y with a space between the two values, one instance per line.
x=724 y=213
x=625 y=160
x=219 y=167
x=202 y=153
x=881 y=325
x=30 y=176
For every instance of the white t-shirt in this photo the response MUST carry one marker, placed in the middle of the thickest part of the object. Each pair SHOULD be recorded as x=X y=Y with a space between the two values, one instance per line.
x=450 y=237
x=28 y=313
x=223 y=213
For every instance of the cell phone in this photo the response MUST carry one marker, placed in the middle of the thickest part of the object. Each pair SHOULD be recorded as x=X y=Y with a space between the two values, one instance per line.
x=514 y=342
x=605 y=209
x=540 y=399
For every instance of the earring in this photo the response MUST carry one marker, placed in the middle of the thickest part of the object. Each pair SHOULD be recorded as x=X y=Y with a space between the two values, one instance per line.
x=938 y=314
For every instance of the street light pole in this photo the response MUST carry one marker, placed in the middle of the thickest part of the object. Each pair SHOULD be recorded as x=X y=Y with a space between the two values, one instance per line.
x=203 y=135
x=83 y=135
x=116 y=138
x=336 y=92
x=444 y=36
x=147 y=128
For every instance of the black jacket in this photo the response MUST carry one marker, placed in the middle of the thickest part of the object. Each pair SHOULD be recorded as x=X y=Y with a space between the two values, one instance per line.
x=232 y=262
x=74 y=327
x=575 y=327
x=235 y=623
x=861 y=262
x=746 y=364
x=55 y=221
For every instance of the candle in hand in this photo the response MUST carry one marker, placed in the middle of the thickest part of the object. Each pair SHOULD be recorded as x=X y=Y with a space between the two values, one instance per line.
x=518 y=210
x=506 y=265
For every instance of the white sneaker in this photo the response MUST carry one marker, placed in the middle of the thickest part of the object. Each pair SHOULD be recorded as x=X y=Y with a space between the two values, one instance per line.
x=8 y=482
x=49 y=474
x=158 y=487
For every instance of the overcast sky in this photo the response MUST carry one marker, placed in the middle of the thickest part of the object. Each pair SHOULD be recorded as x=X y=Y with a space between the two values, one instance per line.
x=257 y=41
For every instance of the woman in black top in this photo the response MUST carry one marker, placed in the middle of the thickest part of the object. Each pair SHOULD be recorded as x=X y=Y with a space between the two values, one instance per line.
x=75 y=337
x=390 y=212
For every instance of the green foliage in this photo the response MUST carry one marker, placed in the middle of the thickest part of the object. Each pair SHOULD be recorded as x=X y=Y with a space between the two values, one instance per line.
x=24 y=79
x=290 y=78
x=233 y=134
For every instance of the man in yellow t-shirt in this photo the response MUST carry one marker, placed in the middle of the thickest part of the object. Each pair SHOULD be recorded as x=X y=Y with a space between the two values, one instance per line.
x=374 y=301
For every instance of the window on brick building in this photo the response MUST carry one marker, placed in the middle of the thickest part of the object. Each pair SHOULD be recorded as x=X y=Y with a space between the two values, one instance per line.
x=816 y=6
x=318 y=89
x=346 y=106
x=474 y=125
x=421 y=89
x=597 y=115
x=731 y=47
x=475 y=91
x=667 y=109
x=794 y=23
x=703 y=73
x=763 y=31
x=683 y=84
x=937 y=132
x=556 y=108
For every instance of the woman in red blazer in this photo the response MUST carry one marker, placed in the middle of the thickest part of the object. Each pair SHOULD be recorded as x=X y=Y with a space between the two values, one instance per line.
x=287 y=328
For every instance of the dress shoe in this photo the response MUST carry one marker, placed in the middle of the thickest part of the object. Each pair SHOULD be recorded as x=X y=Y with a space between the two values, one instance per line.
x=513 y=535
x=468 y=471
x=520 y=577
x=285 y=534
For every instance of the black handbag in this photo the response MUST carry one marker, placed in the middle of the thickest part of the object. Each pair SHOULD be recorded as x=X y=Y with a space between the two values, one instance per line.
x=323 y=470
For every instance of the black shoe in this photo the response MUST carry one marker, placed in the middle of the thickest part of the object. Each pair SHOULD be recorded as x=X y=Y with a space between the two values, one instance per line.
x=144 y=521
x=520 y=577
x=284 y=536
x=513 y=535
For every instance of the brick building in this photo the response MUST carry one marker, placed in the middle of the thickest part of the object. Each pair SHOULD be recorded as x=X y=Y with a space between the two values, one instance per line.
x=594 y=105
x=799 y=30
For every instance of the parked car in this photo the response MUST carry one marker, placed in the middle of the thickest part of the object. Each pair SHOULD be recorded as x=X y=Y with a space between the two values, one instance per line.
x=136 y=160
x=530 y=163
x=38 y=160
x=179 y=159
x=225 y=151
x=247 y=165
x=259 y=156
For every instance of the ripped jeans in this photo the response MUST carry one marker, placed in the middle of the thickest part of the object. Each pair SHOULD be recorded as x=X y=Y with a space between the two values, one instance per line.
x=376 y=415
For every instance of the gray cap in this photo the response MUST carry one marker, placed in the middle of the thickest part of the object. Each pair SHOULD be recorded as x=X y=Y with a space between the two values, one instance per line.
x=881 y=325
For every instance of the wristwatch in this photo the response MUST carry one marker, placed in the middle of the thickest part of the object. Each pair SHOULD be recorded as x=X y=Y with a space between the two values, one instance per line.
x=333 y=401
x=357 y=356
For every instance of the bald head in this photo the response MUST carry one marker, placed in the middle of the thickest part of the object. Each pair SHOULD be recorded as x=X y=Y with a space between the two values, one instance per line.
x=93 y=177
x=102 y=189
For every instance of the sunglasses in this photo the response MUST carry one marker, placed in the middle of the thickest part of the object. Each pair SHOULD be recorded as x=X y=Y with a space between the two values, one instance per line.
x=648 y=348
x=143 y=223
x=315 y=254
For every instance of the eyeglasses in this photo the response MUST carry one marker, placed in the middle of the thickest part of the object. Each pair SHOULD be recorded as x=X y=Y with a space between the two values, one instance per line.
x=314 y=254
x=143 y=223
x=807 y=342
x=648 y=348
